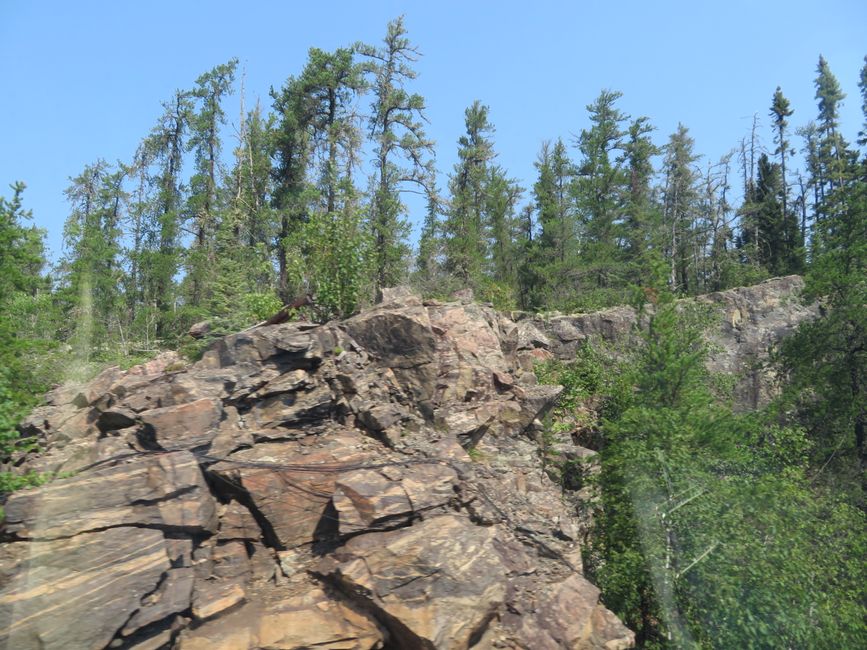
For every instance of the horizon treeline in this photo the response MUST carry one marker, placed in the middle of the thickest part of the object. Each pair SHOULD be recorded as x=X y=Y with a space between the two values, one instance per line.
x=309 y=199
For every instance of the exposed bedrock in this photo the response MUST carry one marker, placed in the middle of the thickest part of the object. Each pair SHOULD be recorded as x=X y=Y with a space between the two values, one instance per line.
x=370 y=483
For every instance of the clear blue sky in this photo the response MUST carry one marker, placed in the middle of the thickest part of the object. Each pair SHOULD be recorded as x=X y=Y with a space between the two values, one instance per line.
x=83 y=80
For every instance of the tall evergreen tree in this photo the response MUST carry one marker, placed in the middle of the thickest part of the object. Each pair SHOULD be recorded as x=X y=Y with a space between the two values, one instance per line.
x=330 y=83
x=680 y=208
x=832 y=155
x=502 y=195
x=27 y=322
x=827 y=357
x=292 y=149
x=600 y=192
x=558 y=242
x=641 y=212
x=780 y=111
x=203 y=205
x=23 y=253
x=430 y=244
x=94 y=272
x=327 y=254
x=403 y=150
x=465 y=230
x=161 y=249
x=777 y=237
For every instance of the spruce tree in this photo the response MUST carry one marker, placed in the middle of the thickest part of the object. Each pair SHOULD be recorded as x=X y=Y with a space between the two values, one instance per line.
x=404 y=153
x=204 y=207
x=28 y=322
x=502 y=195
x=642 y=218
x=600 y=193
x=430 y=244
x=465 y=230
x=832 y=155
x=680 y=208
x=292 y=151
x=780 y=111
x=778 y=246
x=160 y=257
x=324 y=245
x=94 y=273
x=558 y=242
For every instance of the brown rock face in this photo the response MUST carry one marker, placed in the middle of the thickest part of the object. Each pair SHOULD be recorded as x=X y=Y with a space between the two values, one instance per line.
x=163 y=491
x=372 y=483
x=436 y=585
x=78 y=592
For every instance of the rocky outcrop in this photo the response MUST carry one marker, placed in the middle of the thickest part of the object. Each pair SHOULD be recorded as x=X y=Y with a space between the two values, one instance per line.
x=744 y=326
x=368 y=483
x=371 y=483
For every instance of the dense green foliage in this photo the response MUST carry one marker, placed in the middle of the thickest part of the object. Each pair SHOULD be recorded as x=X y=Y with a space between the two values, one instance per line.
x=710 y=531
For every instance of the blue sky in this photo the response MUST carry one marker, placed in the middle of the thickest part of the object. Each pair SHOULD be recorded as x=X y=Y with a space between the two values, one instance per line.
x=84 y=80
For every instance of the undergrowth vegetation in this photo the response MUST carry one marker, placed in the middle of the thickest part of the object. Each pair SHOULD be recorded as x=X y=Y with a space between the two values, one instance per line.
x=709 y=531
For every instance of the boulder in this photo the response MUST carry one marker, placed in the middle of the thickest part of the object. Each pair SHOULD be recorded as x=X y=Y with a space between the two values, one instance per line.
x=313 y=619
x=569 y=615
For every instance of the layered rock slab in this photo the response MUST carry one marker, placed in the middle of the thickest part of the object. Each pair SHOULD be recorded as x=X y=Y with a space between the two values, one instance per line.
x=79 y=592
x=437 y=584
x=309 y=620
x=159 y=490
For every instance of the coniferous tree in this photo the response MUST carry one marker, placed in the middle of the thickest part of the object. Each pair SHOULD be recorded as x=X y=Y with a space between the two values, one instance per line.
x=642 y=219
x=246 y=229
x=680 y=207
x=778 y=246
x=292 y=149
x=430 y=250
x=330 y=83
x=203 y=205
x=530 y=262
x=403 y=150
x=94 y=272
x=780 y=110
x=827 y=357
x=327 y=252
x=23 y=253
x=465 y=230
x=831 y=147
x=502 y=195
x=160 y=257
x=558 y=242
x=28 y=320
x=600 y=192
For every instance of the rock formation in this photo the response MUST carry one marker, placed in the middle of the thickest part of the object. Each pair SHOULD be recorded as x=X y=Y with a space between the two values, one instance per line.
x=745 y=325
x=370 y=483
